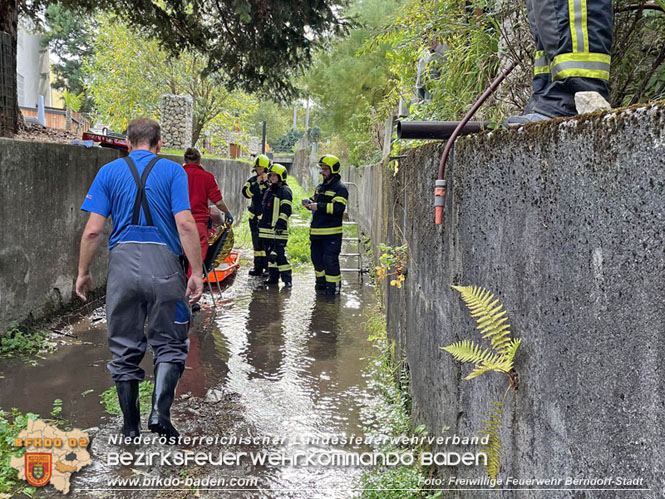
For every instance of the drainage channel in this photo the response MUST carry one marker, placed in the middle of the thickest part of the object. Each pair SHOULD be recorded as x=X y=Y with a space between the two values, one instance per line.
x=280 y=370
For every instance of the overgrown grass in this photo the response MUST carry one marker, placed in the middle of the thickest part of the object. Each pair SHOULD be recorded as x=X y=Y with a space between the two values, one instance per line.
x=109 y=398
x=20 y=342
x=390 y=415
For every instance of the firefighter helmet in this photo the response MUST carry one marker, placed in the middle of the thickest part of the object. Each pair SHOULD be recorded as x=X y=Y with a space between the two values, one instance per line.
x=279 y=170
x=262 y=161
x=331 y=161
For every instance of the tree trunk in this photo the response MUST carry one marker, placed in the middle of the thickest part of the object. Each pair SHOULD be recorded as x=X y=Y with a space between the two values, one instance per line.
x=11 y=120
x=196 y=130
x=68 y=119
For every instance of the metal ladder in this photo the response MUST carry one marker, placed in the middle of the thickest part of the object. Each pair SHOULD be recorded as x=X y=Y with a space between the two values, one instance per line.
x=358 y=253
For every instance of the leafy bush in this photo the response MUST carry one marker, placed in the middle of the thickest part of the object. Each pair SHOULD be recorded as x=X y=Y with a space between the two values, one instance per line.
x=288 y=141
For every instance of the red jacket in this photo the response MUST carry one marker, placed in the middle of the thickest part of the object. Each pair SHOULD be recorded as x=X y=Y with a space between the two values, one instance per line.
x=202 y=187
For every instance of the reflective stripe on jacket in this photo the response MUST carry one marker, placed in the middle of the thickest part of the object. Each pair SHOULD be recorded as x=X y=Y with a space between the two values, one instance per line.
x=331 y=199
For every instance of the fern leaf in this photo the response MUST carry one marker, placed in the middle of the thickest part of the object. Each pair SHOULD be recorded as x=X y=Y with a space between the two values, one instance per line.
x=511 y=350
x=493 y=448
x=489 y=314
x=485 y=360
x=468 y=351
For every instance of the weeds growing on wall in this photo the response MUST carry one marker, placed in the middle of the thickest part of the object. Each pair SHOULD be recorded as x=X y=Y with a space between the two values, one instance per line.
x=493 y=325
x=392 y=264
x=390 y=416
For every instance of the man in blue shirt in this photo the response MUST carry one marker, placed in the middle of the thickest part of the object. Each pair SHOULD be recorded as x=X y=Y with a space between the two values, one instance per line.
x=146 y=292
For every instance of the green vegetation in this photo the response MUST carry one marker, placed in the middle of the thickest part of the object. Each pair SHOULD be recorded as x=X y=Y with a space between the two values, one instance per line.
x=109 y=398
x=11 y=424
x=359 y=80
x=391 y=416
x=68 y=34
x=20 y=342
x=392 y=264
x=492 y=325
x=116 y=83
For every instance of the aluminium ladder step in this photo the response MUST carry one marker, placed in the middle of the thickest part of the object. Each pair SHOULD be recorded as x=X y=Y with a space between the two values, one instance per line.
x=349 y=223
x=362 y=271
x=349 y=254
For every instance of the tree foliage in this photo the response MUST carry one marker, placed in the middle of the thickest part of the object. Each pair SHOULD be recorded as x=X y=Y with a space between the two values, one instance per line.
x=128 y=73
x=257 y=44
x=359 y=80
x=68 y=34
x=349 y=85
x=288 y=141
x=277 y=118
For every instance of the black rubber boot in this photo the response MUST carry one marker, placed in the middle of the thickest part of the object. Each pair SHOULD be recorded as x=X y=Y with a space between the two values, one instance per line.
x=256 y=272
x=320 y=284
x=128 y=396
x=167 y=375
x=274 y=277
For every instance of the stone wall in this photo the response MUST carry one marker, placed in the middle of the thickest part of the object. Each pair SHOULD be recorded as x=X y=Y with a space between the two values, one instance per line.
x=564 y=222
x=41 y=222
x=177 y=120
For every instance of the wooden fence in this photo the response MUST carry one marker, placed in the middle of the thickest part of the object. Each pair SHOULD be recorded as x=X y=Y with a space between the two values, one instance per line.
x=55 y=118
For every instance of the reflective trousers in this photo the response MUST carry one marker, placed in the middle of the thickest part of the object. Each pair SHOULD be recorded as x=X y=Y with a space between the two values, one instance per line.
x=573 y=46
x=278 y=263
x=260 y=260
x=325 y=258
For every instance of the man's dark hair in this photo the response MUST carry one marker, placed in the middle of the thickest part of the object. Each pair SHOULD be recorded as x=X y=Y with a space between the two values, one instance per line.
x=192 y=155
x=143 y=131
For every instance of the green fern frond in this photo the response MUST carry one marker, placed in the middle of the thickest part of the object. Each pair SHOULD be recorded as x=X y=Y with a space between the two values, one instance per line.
x=468 y=351
x=485 y=360
x=511 y=350
x=493 y=448
x=489 y=314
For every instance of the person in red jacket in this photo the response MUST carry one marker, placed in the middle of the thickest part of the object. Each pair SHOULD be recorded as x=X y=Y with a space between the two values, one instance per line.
x=203 y=187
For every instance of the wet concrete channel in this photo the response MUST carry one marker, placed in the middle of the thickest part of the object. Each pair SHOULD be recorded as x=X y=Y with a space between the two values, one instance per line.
x=285 y=365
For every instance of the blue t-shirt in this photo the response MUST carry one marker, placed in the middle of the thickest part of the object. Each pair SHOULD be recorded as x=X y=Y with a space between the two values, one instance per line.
x=113 y=192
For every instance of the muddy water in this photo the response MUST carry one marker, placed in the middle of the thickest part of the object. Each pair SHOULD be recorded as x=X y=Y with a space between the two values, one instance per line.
x=267 y=362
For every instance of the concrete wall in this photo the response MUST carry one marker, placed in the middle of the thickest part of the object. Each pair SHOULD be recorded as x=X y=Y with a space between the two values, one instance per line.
x=41 y=222
x=565 y=222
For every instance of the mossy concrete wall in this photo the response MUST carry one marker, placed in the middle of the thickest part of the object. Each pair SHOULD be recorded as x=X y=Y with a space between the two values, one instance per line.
x=41 y=222
x=565 y=222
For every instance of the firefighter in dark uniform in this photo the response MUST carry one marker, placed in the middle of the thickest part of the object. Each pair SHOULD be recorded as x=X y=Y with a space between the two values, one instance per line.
x=253 y=190
x=327 y=205
x=573 y=47
x=273 y=225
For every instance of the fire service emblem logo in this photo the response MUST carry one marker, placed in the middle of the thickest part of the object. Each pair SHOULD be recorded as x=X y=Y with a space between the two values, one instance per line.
x=38 y=468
